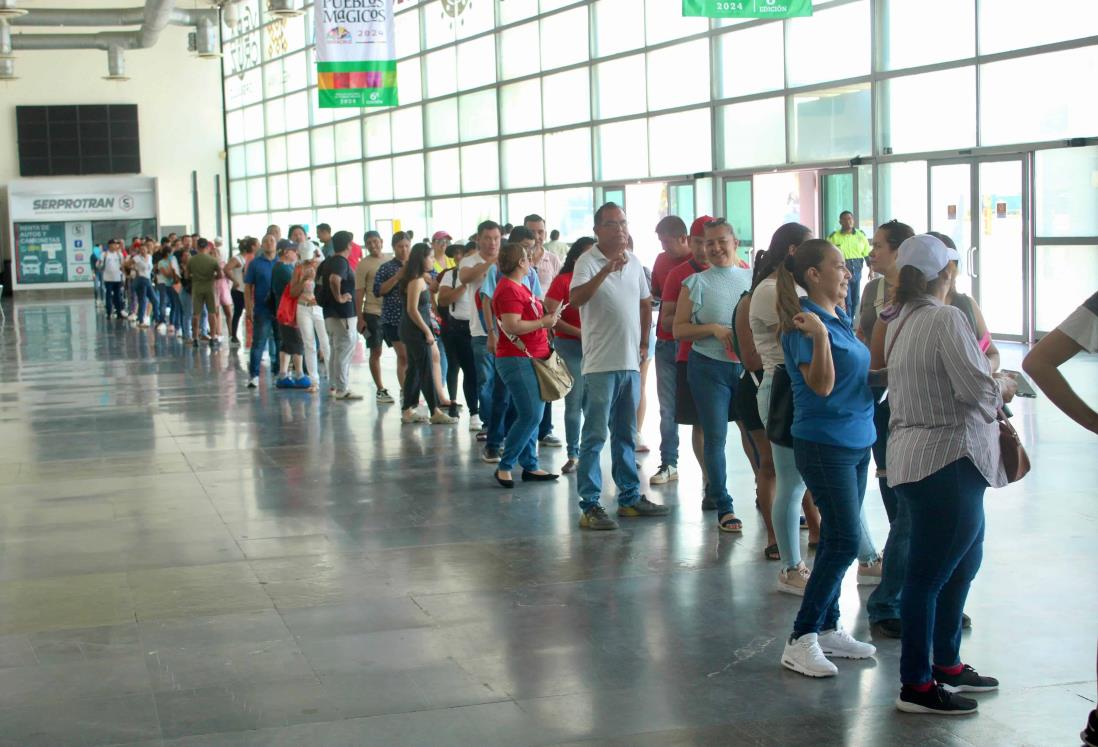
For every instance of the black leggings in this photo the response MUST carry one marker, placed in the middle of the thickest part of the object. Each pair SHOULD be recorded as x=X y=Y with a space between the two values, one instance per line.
x=459 y=351
x=238 y=311
x=417 y=375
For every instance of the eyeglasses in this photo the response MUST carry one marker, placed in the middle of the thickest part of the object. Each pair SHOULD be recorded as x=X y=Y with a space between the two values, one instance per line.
x=619 y=224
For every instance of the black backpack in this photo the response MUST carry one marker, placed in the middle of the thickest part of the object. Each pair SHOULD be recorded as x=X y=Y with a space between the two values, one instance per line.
x=322 y=291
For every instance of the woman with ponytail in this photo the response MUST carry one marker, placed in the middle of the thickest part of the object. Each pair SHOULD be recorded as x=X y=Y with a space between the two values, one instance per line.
x=789 y=487
x=828 y=368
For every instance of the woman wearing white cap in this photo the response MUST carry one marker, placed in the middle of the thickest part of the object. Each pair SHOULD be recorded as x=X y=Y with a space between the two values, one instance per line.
x=943 y=453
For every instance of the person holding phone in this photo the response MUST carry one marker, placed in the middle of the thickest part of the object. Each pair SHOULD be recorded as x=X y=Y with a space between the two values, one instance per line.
x=567 y=337
x=703 y=316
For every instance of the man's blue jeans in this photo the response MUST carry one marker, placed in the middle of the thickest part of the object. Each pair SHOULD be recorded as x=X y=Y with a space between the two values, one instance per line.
x=262 y=337
x=947 y=547
x=572 y=353
x=521 y=444
x=486 y=373
x=665 y=392
x=837 y=478
x=610 y=408
x=854 y=289
x=713 y=384
x=186 y=310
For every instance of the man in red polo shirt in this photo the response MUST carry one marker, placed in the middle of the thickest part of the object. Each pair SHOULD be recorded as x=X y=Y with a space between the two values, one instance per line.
x=685 y=410
x=672 y=234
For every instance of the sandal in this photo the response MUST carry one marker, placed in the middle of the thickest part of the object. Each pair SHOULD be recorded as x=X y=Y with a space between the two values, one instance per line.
x=772 y=553
x=729 y=523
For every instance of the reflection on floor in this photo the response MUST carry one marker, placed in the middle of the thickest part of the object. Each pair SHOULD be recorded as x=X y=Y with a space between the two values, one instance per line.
x=184 y=561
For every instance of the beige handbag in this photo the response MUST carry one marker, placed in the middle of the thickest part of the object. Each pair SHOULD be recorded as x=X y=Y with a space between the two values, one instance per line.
x=554 y=378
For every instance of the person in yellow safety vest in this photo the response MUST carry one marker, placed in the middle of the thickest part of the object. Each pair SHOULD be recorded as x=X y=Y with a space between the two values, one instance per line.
x=855 y=248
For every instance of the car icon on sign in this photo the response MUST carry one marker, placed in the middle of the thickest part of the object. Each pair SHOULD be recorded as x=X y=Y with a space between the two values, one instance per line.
x=31 y=265
x=54 y=268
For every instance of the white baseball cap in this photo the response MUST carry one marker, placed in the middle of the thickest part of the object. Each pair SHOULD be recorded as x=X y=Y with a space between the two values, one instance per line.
x=925 y=253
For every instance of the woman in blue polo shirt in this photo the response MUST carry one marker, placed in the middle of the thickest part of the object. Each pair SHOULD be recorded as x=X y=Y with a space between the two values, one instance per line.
x=832 y=432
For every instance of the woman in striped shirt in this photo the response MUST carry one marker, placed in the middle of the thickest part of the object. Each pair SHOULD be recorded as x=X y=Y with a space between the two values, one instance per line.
x=943 y=453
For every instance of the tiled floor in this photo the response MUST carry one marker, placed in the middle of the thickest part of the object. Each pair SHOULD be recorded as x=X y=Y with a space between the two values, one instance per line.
x=186 y=562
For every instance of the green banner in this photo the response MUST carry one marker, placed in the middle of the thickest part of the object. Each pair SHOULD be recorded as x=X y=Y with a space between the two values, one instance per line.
x=747 y=8
x=40 y=253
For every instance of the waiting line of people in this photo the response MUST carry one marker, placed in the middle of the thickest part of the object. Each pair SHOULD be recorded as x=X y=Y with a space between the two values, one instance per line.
x=907 y=380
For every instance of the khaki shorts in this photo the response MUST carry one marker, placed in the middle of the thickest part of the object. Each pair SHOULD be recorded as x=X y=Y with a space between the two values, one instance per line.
x=203 y=296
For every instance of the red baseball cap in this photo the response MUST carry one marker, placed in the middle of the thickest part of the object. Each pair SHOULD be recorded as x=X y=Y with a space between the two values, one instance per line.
x=442 y=235
x=697 y=228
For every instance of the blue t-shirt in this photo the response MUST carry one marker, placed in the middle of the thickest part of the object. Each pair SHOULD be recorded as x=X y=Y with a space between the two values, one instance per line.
x=845 y=417
x=258 y=274
x=491 y=280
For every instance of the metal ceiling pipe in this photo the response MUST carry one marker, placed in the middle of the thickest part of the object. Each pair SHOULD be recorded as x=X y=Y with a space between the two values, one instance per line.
x=155 y=17
x=75 y=17
x=7 y=69
x=5 y=40
x=116 y=64
x=206 y=37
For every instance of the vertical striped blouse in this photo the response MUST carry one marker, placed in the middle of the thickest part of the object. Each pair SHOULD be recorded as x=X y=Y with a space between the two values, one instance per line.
x=944 y=400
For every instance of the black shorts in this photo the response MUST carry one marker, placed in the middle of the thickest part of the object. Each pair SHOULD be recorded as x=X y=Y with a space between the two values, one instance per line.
x=747 y=402
x=373 y=332
x=290 y=341
x=391 y=333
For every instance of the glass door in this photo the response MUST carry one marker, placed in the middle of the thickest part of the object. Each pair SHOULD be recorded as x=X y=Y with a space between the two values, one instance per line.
x=680 y=201
x=838 y=192
x=982 y=204
x=737 y=211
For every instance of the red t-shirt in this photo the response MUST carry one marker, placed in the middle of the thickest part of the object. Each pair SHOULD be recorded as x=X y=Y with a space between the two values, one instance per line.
x=671 y=290
x=664 y=264
x=514 y=298
x=355 y=255
x=559 y=291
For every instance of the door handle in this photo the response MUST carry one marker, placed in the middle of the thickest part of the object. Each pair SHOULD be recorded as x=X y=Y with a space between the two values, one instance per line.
x=972 y=273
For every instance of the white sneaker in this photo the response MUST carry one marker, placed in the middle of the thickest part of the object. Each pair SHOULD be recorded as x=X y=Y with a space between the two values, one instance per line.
x=253 y=383
x=841 y=645
x=162 y=328
x=408 y=417
x=794 y=580
x=804 y=656
x=441 y=418
x=666 y=473
x=869 y=574
x=474 y=423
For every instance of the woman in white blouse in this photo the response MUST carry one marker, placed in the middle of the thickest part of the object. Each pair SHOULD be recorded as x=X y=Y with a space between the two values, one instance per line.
x=943 y=453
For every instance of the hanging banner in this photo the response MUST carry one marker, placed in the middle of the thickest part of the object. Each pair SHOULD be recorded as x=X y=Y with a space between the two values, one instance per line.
x=747 y=8
x=355 y=53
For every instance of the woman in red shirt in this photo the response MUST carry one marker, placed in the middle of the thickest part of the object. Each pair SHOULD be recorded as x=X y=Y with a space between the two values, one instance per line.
x=567 y=335
x=524 y=325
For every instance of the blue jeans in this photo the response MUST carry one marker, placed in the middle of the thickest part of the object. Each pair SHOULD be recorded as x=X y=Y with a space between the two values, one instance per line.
x=947 y=546
x=789 y=487
x=854 y=289
x=186 y=311
x=713 y=383
x=610 y=407
x=521 y=443
x=486 y=372
x=837 y=477
x=572 y=353
x=143 y=291
x=665 y=392
x=114 y=297
x=262 y=337
x=164 y=296
x=884 y=602
x=545 y=428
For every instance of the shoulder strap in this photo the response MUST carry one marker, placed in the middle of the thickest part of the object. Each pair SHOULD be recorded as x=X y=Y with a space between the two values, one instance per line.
x=736 y=337
x=888 y=353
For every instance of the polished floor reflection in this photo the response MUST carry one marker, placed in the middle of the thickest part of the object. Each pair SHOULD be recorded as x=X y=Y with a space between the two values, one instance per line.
x=187 y=562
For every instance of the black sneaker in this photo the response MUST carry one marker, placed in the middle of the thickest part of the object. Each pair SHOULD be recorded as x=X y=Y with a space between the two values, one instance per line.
x=889 y=627
x=937 y=700
x=489 y=455
x=968 y=680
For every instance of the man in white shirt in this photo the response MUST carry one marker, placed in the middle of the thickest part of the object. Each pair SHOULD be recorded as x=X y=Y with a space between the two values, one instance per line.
x=556 y=246
x=615 y=305
x=471 y=273
x=110 y=264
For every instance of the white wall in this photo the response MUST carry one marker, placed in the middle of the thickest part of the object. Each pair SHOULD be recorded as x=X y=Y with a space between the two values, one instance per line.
x=178 y=97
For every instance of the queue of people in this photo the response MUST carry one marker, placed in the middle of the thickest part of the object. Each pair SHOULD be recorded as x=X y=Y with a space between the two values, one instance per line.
x=904 y=381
